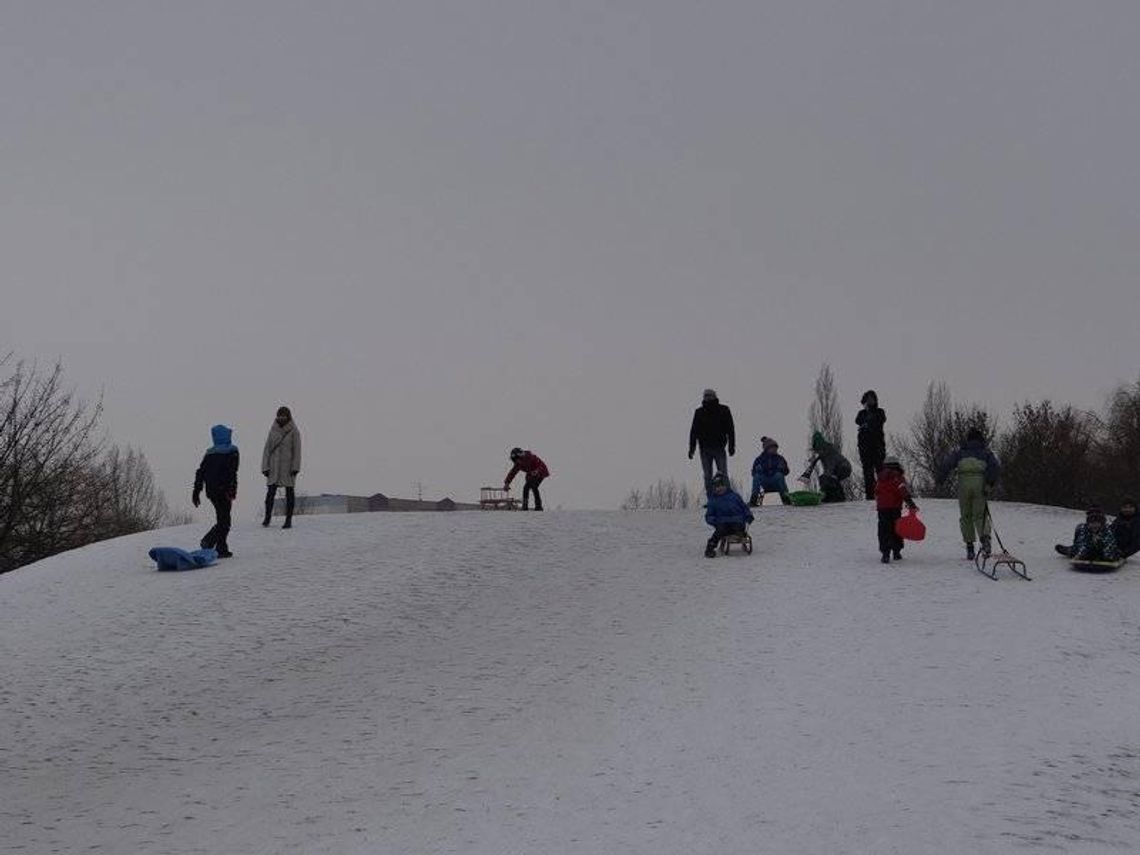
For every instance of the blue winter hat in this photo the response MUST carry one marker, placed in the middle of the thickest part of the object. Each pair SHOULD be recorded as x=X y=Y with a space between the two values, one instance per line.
x=221 y=434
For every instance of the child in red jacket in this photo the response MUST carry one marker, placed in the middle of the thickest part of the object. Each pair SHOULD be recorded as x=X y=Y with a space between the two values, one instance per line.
x=891 y=493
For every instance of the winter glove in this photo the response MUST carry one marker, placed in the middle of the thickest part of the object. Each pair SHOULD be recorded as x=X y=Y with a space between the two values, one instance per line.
x=731 y=451
x=690 y=455
x=294 y=472
x=195 y=500
x=265 y=472
x=233 y=495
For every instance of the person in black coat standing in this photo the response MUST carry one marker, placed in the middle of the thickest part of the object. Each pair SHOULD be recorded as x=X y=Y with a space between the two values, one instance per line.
x=872 y=440
x=713 y=431
x=218 y=473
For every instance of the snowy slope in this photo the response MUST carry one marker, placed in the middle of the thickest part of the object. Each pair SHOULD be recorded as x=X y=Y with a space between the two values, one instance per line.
x=571 y=683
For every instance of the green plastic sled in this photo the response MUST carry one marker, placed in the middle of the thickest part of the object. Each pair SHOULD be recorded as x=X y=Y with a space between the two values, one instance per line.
x=804 y=498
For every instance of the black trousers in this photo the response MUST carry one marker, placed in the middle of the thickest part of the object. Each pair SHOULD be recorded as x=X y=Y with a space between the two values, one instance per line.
x=872 y=463
x=889 y=541
x=216 y=537
x=290 y=500
x=725 y=529
x=530 y=485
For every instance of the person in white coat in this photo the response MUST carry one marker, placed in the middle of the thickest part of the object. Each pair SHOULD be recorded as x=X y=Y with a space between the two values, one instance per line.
x=280 y=463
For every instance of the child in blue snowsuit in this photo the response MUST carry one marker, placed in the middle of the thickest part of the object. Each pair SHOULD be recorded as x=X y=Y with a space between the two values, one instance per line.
x=726 y=512
x=769 y=472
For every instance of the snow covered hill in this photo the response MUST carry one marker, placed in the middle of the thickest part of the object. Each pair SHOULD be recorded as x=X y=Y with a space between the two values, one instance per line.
x=571 y=683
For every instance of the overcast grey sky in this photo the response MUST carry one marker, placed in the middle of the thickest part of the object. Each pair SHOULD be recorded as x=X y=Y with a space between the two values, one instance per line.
x=440 y=229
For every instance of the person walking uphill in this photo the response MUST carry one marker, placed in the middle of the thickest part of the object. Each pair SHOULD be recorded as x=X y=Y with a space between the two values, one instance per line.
x=536 y=472
x=280 y=463
x=872 y=440
x=218 y=474
x=713 y=431
x=977 y=470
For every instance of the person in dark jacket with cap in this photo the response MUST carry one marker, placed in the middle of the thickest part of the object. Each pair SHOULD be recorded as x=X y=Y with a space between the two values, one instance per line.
x=531 y=465
x=218 y=474
x=835 y=468
x=872 y=440
x=713 y=431
x=1124 y=530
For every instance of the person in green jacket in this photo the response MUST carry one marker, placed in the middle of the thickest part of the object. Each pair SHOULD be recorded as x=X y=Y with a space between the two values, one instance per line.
x=977 y=470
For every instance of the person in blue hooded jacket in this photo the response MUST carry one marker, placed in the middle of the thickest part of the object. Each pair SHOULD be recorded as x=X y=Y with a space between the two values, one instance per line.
x=217 y=473
x=726 y=512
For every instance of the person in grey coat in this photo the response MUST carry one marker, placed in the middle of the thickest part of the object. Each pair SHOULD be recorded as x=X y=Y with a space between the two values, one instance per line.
x=280 y=463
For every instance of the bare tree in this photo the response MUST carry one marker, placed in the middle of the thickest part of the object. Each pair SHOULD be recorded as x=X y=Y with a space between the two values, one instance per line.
x=48 y=447
x=130 y=501
x=824 y=414
x=938 y=428
x=1118 y=446
x=665 y=495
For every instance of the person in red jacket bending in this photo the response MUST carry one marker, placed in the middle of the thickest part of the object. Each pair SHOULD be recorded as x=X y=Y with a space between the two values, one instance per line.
x=891 y=493
x=531 y=464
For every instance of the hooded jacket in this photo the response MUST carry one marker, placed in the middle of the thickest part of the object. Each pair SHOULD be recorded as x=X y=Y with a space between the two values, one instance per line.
x=770 y=463
x=712 y=428
x=871 y=440
x=281 y=457
x=219 y=467
x=727 y=509
x=891 y=490
x=531 y=464
x=972 y=462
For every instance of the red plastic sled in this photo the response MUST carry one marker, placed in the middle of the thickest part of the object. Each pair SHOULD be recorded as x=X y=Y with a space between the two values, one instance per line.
x=910 y=527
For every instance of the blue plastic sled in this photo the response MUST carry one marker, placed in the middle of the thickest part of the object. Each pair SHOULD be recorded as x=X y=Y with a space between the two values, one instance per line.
x=173 y=558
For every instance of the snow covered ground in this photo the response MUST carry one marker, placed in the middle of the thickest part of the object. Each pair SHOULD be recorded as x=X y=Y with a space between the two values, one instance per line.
x=579 y=682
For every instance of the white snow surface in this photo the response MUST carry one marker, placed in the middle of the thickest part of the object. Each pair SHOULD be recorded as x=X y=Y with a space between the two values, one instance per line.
x=571 y=682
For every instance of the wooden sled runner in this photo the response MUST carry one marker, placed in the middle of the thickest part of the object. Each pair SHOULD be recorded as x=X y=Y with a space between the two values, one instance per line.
x=1096 y=566
x=744 y=539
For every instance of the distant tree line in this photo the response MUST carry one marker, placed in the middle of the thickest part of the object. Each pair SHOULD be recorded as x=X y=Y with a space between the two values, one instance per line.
x=665 y=495
x=62 y=485
x=1050 y=453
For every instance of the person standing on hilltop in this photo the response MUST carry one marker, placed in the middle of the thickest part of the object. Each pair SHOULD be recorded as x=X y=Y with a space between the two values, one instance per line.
x=872 y=440
x=713 y=431
x=280 y=463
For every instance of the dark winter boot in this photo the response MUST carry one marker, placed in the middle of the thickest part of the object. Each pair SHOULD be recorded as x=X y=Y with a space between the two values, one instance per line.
x=885 y=558
x=710 y=550
x=970 y=551
x=290 y=500
x=1067 y=551
x=224 y=551
x=987 y=549
x=268 y=512
x=785 y=499
x=754 y=501
x=897 y=555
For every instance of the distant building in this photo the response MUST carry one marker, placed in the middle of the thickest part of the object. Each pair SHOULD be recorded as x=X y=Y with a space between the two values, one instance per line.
x=335 y=503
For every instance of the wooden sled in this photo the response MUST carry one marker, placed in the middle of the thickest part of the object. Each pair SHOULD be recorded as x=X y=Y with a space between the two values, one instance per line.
x=497 y=499
x=988 y=565
x=1095 y=566
x=744 y=539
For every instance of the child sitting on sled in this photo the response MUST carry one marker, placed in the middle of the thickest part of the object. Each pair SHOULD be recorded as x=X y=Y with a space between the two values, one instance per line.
x=769 y=473
x=1093 y=540
x=891 y=493
x=726 y=512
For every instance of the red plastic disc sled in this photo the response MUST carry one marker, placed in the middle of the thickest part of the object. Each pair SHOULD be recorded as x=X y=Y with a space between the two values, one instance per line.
x=910 y=527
